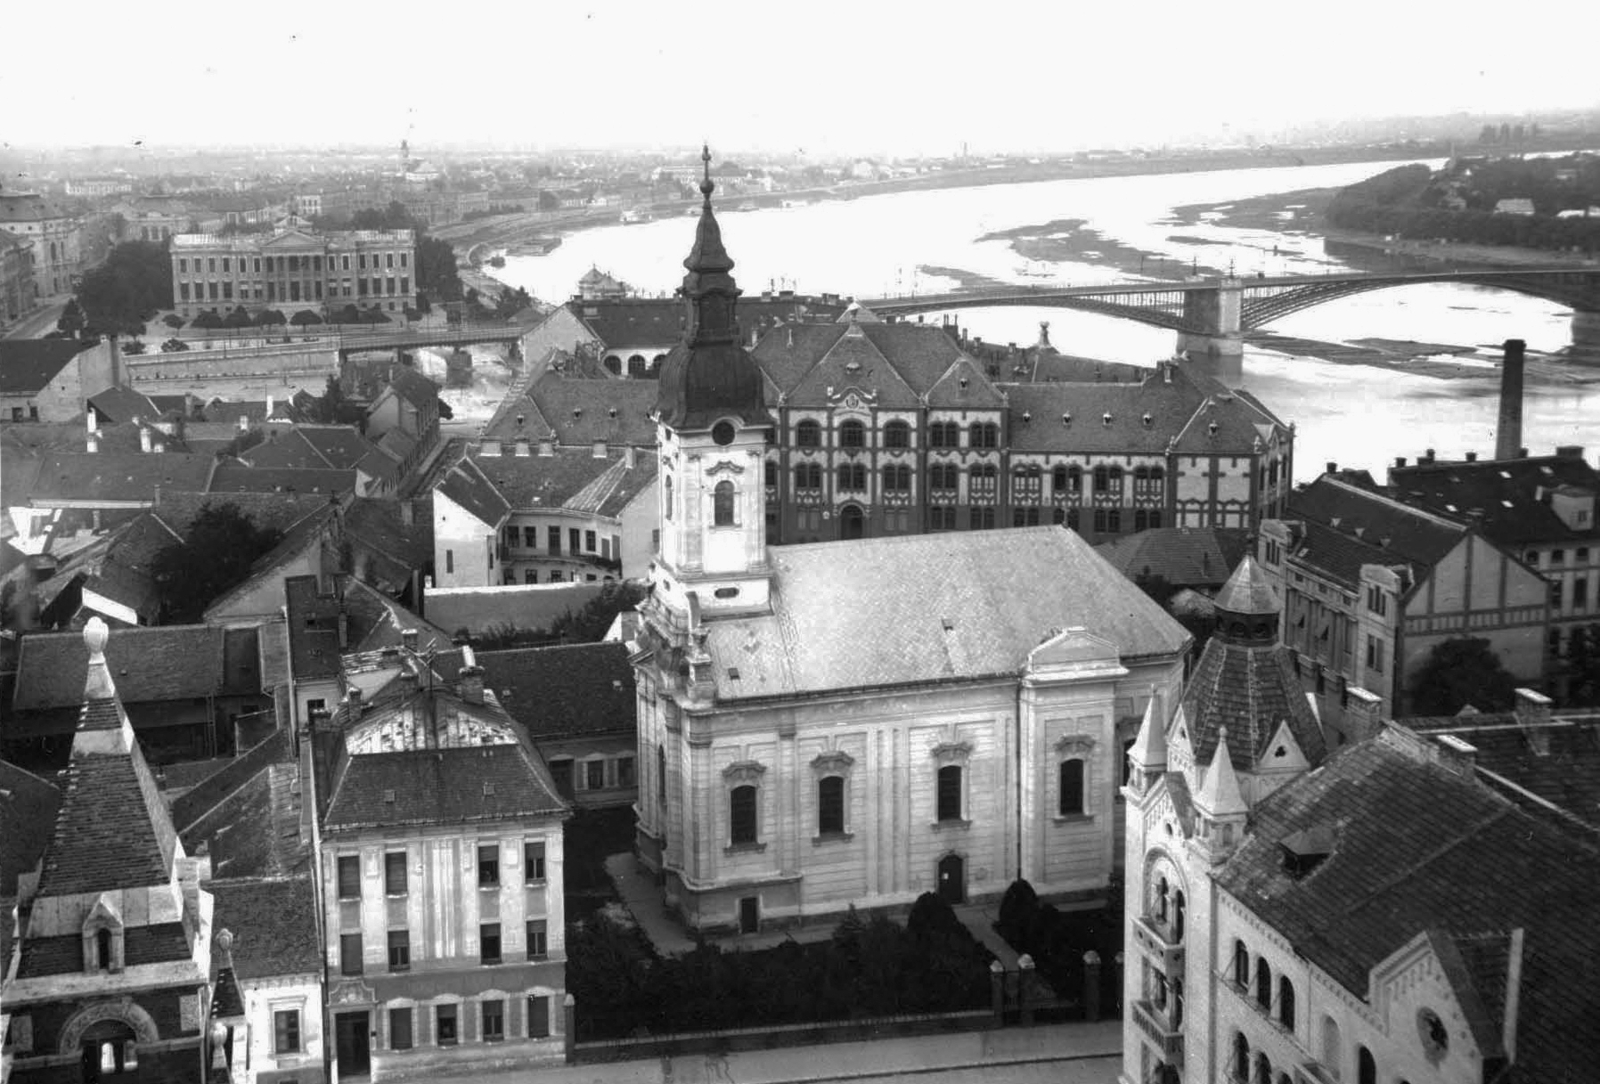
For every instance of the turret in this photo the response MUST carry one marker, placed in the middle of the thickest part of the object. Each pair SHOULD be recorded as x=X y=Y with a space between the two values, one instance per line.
x=1147 y=759
x=1220 y=809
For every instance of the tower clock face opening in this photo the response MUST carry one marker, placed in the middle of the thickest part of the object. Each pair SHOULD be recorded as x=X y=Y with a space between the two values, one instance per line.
x=723 y=433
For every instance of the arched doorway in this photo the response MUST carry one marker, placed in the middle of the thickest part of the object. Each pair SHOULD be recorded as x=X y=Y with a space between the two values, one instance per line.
x=952 y=879
x=852 y=524
x=109 y=1052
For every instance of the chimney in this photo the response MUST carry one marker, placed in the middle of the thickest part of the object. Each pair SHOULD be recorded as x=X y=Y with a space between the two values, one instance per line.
x=408 y=639
x=1400 y=461
x=144 y=439
x=1333 y=468
x=599 y=449
x=1569 y=451
x=408 y=513
x=1533 y=716
x=269 y=405
x=522 y=447
x=1508 y=434
x=630 y=457
x=91 y=420
x=244 y=423
x=1044 y=333
x=344 y=629
x=471 y=675
x=1472 y=457
x=94 y=442
x=1428 y=456
x=546 y=448
x=1459 y=755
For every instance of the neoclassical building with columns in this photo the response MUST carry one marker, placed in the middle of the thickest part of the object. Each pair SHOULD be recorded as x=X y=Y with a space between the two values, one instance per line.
x=859 y=722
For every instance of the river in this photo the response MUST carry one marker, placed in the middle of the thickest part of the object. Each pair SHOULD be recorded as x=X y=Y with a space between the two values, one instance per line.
x=1357 y=415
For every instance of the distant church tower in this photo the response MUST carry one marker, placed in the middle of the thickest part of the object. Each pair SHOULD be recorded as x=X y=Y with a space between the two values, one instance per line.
x=712 y=429
x=405 y=156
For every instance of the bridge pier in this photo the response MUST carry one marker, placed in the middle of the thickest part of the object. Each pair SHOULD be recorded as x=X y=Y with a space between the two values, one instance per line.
x=1585 y=337
x=1215 y=313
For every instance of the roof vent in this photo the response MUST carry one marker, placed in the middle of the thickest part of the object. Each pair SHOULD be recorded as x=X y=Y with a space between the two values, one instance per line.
x=962 y=382
x=1212 y=428
x=1147 y=419
x=577 y=412
x=1105 y=418
x=388 y=797
x=611 y=412
x=1027 y=416
x=1066 y=419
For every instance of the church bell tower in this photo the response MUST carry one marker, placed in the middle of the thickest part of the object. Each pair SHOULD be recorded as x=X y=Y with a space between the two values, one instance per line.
x=712 y=432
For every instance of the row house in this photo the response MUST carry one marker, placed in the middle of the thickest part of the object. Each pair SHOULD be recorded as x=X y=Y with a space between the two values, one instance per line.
x=519 y=514
x=1540 y=508
x=441 y=865
x=294 y=267
x=19 y=292
x=1371 y=585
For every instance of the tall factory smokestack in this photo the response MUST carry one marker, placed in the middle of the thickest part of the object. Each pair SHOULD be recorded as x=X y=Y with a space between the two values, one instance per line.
x=1508 y=435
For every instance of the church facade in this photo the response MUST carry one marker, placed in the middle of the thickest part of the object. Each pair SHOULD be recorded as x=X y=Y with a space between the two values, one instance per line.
x=860 y=722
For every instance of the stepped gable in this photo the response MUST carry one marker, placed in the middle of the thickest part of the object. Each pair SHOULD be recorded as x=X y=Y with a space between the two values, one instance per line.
x=113 y=830
x=709 y=375
x=1244 y=682
x=1469 y=870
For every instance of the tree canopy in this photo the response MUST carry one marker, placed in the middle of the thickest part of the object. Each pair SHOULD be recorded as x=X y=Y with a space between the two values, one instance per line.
x=1461 y=672
x=130 y=287
x=215 y=555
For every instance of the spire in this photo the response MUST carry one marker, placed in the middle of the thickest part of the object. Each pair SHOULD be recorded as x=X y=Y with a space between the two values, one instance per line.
x=1149 y=752
x=98 y=685
x=1219 y=795
x=708 y=262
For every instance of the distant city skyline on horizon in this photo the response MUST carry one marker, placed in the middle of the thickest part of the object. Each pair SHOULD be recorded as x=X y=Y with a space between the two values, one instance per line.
x=827 y=81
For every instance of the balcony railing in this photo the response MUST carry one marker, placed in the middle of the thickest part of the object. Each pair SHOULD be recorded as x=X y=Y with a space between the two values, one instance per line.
x=1157 y=941
x=1159 y=1030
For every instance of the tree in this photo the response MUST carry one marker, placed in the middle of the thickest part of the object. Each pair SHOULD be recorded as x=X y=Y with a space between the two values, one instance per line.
x=173 y=320
x=237 y=319
x=207 y=320
x=591 y=622
x=133 y=283
x=72 y=320
x=436 y=269
x=270 y=318
x=133 y=347
x=305 y=318
x=1460 y=672
x=216 y=554
x=1583 y=667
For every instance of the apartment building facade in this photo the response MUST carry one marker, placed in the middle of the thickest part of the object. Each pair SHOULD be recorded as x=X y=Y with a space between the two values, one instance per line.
x=294 y=269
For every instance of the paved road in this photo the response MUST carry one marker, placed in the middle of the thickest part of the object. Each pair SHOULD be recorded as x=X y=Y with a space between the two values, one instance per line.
x=38 y=323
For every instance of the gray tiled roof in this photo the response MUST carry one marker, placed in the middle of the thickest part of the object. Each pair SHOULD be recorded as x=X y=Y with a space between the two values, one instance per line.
x=570 y=478
x=1252 y=691
x=274 y=925
x=556 y=691
x=28 y=808
x=1466 y=864
x=1183 y=556
x=1378 y=522
x=1507 y=492
x=28 y=365
x=893 y=611
x=129 y=476
x=165 y=662
x=468 y=486
x=441 y=786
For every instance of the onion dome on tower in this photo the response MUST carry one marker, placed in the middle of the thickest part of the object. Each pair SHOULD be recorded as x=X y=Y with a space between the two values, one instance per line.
x=710 y=375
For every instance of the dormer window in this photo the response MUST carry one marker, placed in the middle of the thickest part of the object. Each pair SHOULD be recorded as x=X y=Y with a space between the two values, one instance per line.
x=102 y=939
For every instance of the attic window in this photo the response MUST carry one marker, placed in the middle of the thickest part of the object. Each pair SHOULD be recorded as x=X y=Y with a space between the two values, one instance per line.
x=1105 y=418
x=1066 y=419
x=1147 y=419
x=1305 y=850
x=577 y=412
x=852 y=367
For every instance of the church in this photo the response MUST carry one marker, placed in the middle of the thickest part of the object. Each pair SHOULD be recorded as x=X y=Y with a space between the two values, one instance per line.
x=861 y=722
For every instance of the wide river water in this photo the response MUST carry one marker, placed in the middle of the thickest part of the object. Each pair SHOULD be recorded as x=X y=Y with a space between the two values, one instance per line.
x=1357 y=415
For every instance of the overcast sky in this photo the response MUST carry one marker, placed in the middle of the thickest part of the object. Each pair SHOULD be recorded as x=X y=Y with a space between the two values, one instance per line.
x=830 y=77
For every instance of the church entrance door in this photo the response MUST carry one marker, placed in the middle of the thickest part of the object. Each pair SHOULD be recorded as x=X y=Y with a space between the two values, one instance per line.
x=952 y=879
x=852 y=524
x=350 y=1035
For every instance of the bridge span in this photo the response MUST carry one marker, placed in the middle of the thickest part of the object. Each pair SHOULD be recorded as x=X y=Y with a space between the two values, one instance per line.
x=1211 y=315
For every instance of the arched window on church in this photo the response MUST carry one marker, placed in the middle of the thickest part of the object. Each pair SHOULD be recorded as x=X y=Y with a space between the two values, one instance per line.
x=1241 y=1057
x=1178 y=905
x=1264 y=984
x=742 y=814
x=666 y=493
x=722 y=505
x=1241 y=965
x=830 y=805
x=1161 y=900
x=102 y=950
x=1071 y=803
x=1286 y=1002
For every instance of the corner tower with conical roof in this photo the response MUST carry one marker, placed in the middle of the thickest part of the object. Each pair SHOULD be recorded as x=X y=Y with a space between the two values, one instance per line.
x=113 y=970
x=713 y=428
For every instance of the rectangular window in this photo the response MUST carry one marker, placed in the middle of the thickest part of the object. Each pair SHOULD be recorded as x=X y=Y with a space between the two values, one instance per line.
x=227 y=291
x=554 y=535
x=363 y=261
x=211 y=290
x=225 y=262
x=449 y=560
x=533 y=863
x=561 y=770
x=445 y=1025
x=573 y=538
x=211 y=264
x=1374 y=654
x=538 y=1017
x=742 y=814
x=256 y=264
x=494 y=1021
x=588 y=541
x=399 y=1029
x=1580 y=594
x=183 y=267
x=489 y=865
x=950 y=792
x=399 y=950
x=530 y=537
x=405 y=284
x=489 y=943
x=830 y=805
x=538 y=939
x=625 y=776
x=350 y=954
x=349 y=877
x=1375 y=599
x=183 y=291
x=594 y=775
x=286 y=1031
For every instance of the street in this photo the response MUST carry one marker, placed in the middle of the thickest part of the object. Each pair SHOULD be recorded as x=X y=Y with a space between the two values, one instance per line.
x=37 y=324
